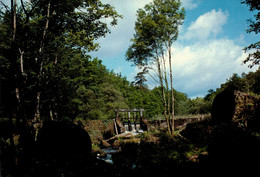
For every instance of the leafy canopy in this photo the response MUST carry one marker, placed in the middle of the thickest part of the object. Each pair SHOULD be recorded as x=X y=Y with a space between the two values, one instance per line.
x=254 y=26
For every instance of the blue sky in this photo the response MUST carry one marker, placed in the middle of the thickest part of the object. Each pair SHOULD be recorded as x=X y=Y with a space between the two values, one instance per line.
x=208 y=51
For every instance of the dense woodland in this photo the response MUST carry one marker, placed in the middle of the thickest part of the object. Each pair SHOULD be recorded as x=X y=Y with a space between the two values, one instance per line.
x=106 y=91
x=46 y=70
x=48 y=75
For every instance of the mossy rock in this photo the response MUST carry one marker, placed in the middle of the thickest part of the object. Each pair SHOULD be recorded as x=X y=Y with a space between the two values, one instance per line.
x=105 y=144
x=237 y=107
x=120 y=142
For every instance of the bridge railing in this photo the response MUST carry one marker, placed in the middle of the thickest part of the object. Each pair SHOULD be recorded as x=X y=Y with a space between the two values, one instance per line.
x=131 y=119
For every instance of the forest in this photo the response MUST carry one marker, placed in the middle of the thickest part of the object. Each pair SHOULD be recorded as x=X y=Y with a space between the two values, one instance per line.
x=59 y=80
x=49 y=81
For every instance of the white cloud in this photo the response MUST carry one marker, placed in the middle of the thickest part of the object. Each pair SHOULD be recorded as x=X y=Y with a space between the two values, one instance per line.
x=200 y=66
x=207 y=61
x=118 y=41
x=189 y=4
x=206 y=65
x=207 y=25
x=202 y=61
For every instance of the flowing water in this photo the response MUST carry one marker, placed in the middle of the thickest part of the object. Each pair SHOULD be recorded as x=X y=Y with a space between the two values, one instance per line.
x=135 y=129
x=132 y=128
x=108 y=155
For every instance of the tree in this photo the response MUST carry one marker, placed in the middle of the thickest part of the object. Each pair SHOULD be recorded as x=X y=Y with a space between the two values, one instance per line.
x=46 y=55
x=140 y=79
x=253 y=81
x=254 y=26
x=181 y=103
x=249 y=83
x=156 y=29
x=199 y=106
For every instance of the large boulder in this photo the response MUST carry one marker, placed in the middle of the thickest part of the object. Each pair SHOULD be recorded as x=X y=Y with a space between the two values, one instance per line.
x=223 y=107
x=237 y=107
x=247 y=111
x=62 y=148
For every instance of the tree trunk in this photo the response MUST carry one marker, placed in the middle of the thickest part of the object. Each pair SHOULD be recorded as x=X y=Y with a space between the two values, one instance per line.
x=166 y=83
x=37 y=117
x=13 y=60
x=14 y=107
x=36 y=121
x=13 y=51
x=37 y=111
x=13 y=9
x=163 y=92
x=172 y=91
x=21 y=63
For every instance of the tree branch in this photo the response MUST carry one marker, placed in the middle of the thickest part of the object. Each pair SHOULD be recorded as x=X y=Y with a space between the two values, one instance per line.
x=6 y=7
x=24 y=7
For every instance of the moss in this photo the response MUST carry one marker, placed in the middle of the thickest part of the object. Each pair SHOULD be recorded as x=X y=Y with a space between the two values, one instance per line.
x=195 y=152
x=95 y=148
x=120 y=142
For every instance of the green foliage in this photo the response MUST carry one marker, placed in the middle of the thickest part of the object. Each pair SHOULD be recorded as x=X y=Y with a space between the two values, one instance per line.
x=72 y=83
x=150 y=48
x=254 y=26
x=140 y=79
x=164 y=17
x=199 y=106
x=48 y=56
x=249 y=83
x=52 y=59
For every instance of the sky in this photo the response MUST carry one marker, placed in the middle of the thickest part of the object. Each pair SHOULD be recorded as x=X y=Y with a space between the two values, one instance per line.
x=208 y=51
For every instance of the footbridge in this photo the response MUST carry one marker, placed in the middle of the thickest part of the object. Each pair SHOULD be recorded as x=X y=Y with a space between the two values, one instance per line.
x=130 y=120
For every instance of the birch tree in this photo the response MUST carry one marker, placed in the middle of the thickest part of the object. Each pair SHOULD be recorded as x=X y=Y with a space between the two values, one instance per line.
x=156 y=29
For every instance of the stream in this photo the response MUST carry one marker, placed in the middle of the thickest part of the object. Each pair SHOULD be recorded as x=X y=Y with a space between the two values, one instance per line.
x=134 y=130
x=108 y=155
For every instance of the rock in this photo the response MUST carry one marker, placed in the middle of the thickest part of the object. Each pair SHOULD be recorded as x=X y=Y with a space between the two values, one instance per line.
x=247 y=111
x=223 y=107
x=119 y=143
x=62 y=146
x=119 y=122
x=123 y=138
x=237 y=107
x=105 y=144
x=127 y=135
x=198 y=132
x=145 y=125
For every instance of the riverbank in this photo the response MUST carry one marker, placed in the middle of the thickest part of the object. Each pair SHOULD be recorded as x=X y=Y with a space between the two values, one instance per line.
x=201 y=149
